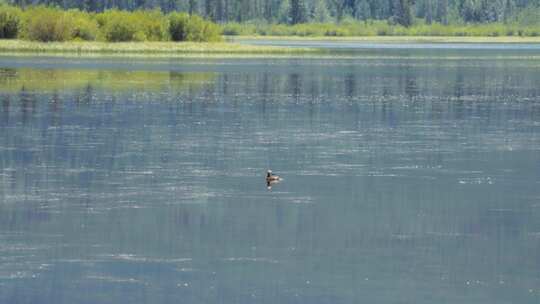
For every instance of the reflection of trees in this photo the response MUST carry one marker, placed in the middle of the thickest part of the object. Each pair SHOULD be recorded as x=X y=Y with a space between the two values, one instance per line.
x=5 y=109
x=28 y=85
x=29 y=213
x=85 y=95
x=54 y=108
x=27 y=104
x=6 y=75
x=295 y=86
x=265 y=91
x=411 y=86
x=36 y=80
x=459 y=84
x=350 y=85
x=459 y=92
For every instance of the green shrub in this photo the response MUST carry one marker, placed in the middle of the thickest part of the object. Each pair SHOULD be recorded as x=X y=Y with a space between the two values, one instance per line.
x=200 y=30
x=350 y=27
x=337 y=32
x=306 y=29
x=10 y=20
x=85 y=26
x=153 y=24
x=46 y=24
x=235 y=29
x=178 y=26
x=116 y=30
x=531 y=32
x=278 y=30
x=42 y=23
x=183 y=27
x=117 y=26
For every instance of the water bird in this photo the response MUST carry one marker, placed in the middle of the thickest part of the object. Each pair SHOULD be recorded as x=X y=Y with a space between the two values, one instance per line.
x=271 y=179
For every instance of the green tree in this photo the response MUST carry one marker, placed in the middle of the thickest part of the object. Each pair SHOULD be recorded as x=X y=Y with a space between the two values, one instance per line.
x=442 y=11
x=183 y=27
x=364 y=10
x=402 y=12
x=429 y=11
x=339 y=7
x=320 y=12
x=297 y=12
x=468 y=11
x=10 y=21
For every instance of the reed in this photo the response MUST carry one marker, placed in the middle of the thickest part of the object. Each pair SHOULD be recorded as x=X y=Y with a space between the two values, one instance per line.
x=88 y=47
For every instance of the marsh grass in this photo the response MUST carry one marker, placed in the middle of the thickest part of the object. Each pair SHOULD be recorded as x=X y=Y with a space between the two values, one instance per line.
x=82 y=47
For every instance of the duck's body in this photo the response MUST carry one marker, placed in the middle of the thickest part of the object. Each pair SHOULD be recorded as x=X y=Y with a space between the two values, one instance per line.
x=271 y=177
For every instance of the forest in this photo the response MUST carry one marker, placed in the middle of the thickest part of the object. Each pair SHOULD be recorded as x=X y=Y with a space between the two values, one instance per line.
x=403 y=12
x=207 y=20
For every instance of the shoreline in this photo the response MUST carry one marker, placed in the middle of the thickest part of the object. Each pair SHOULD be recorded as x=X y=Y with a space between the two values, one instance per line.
x=239 y=47
x=395 y=39
x=145 y=48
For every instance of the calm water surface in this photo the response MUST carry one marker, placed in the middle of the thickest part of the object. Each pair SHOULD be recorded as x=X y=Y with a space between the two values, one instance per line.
x=406 y=180
x=389 y=46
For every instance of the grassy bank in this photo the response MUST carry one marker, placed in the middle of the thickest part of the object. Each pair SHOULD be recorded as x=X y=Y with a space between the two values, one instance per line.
x=147 y=48
x=376 y=28
x=230 y=49
x=391 y=39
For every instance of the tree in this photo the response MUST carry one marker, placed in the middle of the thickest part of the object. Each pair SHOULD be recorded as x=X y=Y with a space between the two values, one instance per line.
x=297 y=11
x=468 y=11
x=268 y=10
x=283 y=14
x=320 y=12
x=509 y=10
x=192 y=6
x=339 y=6
x=428 y=11
x=402 y=12
x=208 y=12
x=442 y=11
x=364 y=10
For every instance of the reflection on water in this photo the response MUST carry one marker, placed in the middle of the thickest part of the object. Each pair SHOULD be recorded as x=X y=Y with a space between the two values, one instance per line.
x=49 y=80
x=404 y=183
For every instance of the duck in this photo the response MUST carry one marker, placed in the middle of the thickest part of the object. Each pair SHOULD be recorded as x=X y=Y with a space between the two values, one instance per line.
x=270 y=177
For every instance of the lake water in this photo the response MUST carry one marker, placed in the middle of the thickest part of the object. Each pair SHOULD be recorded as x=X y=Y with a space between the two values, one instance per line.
x=351 y=44
x=406 y=179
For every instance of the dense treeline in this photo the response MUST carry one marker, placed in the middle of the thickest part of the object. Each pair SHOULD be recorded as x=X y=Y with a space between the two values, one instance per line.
x=403 y=12
x=45 y=23
x=178 y=20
